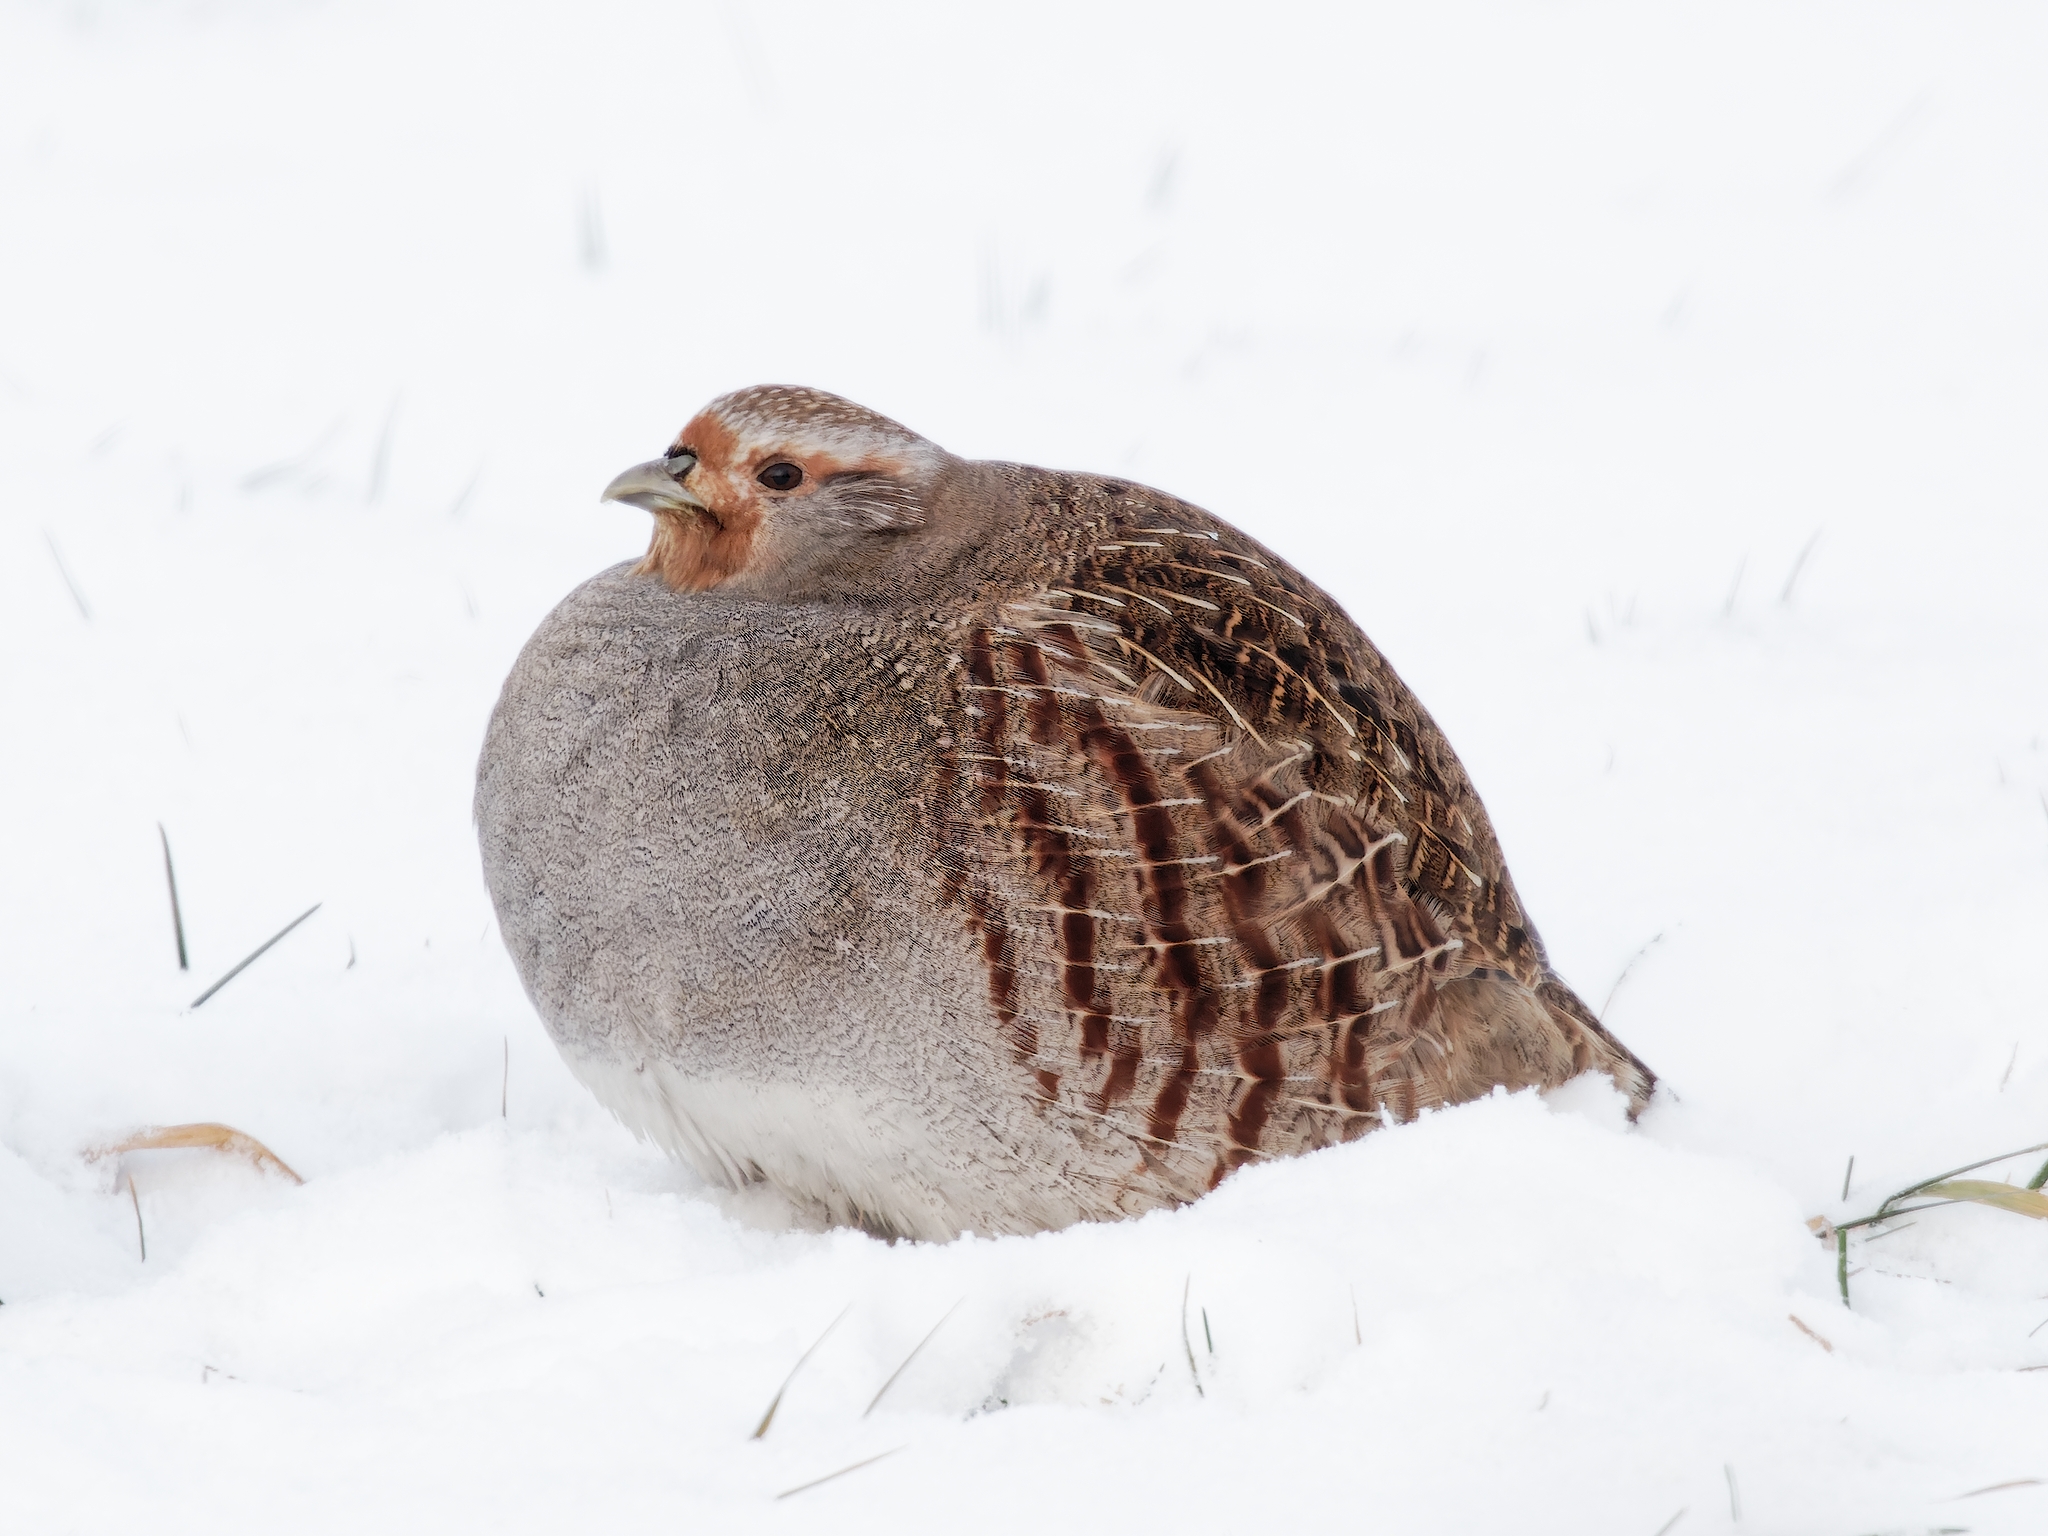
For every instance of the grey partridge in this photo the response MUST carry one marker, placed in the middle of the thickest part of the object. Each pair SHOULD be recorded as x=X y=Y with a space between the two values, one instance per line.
x=964 y=846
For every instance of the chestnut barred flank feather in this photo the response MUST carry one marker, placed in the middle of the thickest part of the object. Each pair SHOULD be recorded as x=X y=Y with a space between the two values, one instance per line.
x=973 y=846
x=1250 y=903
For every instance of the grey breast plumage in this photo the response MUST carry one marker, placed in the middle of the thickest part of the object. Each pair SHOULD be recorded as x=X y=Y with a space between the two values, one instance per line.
x=702 y=832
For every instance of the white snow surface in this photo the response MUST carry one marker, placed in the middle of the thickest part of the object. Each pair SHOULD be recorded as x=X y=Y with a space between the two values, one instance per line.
x=1663 y=386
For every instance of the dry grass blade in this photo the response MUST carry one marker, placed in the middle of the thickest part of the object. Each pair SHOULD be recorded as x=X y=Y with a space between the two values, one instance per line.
x=1982 y=1162
x=380 y=460
x=2006 y=1197
x=461 y=501
x=912 y=1356
x=1798 y=566
x=177 y=912
x=206 y=1133
x=1942 y=1189
x=78 y=597
x=1665 y=1528
x=775 y=1403
x=2018 y=1482
x=1633 y=960
x=257 y=954
x=1796 y=1323
x=814 y=1482
x=1187 y=1343
x=141 y=1242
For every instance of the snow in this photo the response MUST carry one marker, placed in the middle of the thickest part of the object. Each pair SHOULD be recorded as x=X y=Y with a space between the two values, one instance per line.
x=1662 y=388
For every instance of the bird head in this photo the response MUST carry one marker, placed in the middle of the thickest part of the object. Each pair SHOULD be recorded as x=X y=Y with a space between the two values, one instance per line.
x=777 y=491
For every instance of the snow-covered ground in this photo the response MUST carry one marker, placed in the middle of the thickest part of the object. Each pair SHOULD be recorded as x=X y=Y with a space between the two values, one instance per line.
x=1706 y=344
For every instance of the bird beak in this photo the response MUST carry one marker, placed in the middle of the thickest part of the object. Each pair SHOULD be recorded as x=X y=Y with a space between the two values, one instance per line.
x=657 y=486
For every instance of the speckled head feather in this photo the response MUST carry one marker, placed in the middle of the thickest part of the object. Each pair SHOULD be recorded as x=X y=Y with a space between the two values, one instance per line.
x=769 y=417
x=962 y=845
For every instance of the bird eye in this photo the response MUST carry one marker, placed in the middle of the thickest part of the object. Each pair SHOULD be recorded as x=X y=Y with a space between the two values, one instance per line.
x=781 y=477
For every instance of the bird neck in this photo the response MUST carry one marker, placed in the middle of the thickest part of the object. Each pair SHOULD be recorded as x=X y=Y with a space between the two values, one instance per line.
x=694 y=552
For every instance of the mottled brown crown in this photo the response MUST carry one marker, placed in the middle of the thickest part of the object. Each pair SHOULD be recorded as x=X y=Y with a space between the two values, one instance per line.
x=771 y=414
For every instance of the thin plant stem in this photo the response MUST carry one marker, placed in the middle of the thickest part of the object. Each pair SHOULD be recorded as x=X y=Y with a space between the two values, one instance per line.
x=769 y=1417
x=1891 y=1207
x=814 y=1482
x=257 y=954
x=177 y=912
x=911 y=1356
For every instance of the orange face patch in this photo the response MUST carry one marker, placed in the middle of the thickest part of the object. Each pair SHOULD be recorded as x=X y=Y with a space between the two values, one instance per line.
x=695 y=551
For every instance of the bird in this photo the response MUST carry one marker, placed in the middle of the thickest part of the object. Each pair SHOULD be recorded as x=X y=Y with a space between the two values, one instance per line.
x=965 y=847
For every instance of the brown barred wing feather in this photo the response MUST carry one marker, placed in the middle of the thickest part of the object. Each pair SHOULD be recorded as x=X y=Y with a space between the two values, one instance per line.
x=1235 y=894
